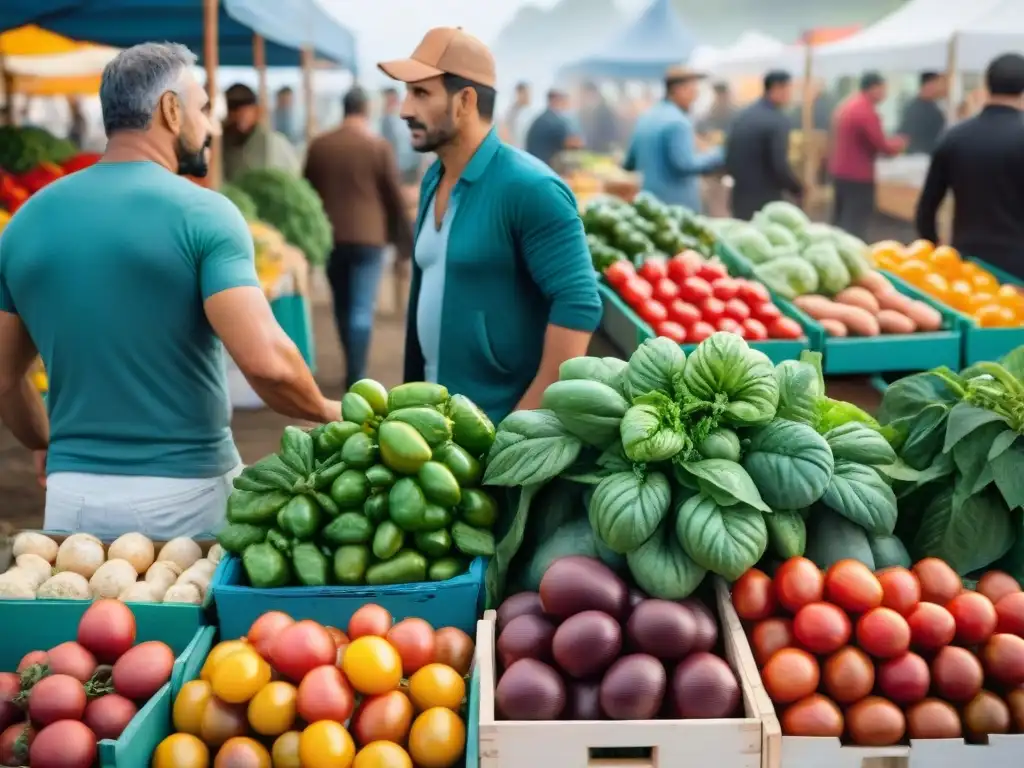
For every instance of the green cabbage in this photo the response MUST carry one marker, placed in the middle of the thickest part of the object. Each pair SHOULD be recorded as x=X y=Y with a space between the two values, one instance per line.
x=778 y=235
x=627 y=508
x=788 y=276
x=721 y=443
x=292 y=206
x=751 y=243
x=833 y=276
x=607 y=370
x=651 y=430
x=790 y=464
x=854 y=253
x=725 y=540
x=723 y=368
x=800 y=391
x=655 y=366
x=662 y=569
x=786 y=214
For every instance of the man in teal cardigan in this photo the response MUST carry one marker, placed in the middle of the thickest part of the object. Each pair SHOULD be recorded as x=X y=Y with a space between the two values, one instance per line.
x=503 y=289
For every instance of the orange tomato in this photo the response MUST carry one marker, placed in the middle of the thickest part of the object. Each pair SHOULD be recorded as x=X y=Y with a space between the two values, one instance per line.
x=189 y=704
x=888 y=249
x=242 y=751
x=437 y=739
x=326 y=744
x=240 y=676
x=979 y=300
x=960 y=295
x=370 y=619
x=918 y=250
x=437 y=685
x=886 y=261
x=936 y=285
x=181 y=750
x=217 y=654
x=272 y=710
x=372 y=665
x=382 y=754
x=1011 y=298
x=387 y=717
x=914 y=271
x=984 y=281
x=995 y=316
x=414 y=641
x=285 y=752
x=945 y=260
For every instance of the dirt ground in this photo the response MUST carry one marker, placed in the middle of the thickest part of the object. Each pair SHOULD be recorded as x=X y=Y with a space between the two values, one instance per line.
x=257 y=432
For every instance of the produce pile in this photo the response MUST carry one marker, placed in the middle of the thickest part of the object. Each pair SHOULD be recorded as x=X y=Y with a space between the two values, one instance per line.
x=59 y=702
x=965 y=286
x=389 y=495
x=880 y=657
x=131 y=569
x=298 y=693
x=31 y=158
x=586 y=648
x=683 y=465
x=961 y=486
x=687 y=298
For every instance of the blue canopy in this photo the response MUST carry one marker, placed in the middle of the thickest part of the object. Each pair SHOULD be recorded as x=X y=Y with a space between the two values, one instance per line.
x=285 y=26
x=655 y=41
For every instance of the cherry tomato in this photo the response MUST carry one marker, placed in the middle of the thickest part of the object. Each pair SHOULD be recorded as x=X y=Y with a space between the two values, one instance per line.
x=684 y=314
x=905 y=679
x=853 y=587
x=680 y=268
x=652 y=312
x=816 y=715
x=326 y=744
x=883 y=633
x=766 y=313
x=221 y=651
x=285 y=751
x=694 y=290
x=189 y=704
x=240 y=676
x=753 y=293
x=975 y=617
x=725 y=288
x=821 y=628
x=737 y=310
x=653 y=270
x=901 y=590
x=875 y=722
x=437 y=685
x=939 y=582
x=712 y=270
x=325 y=694
x=769 y=636
x=699 y=331
x=372 y=665
x=386 y=717
x=798 y=582
x=1010 y=610
x=995 y=585
x=671 y=330
x=728 y=325
x=633 y=292
x=382 y=754
x=414 y=641
x=712 y=309
x=931 y=627
x=454 y=648
x=272 y=710
x=181 y=749
x=785 y=328
x=370 y=619
x=753 y=595
x=619 y=273
x=437 y=738
x=754 y=330
x=691 y=259
x=666 y=291
x=303 y=646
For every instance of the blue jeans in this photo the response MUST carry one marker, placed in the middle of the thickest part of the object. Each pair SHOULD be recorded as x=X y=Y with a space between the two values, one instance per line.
x=354 y=274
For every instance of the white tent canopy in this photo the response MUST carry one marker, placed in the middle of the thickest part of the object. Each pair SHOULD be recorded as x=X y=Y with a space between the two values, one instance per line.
x=81 y=63
x=995 y=30
x=752 y=53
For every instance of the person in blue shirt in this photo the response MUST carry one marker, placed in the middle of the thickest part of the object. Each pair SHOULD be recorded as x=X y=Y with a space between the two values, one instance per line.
x=503 y=289
x=663 y=148
x=552 y=132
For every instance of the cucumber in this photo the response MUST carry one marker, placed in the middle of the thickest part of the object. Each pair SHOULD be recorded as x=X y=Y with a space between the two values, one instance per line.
x=470 y=426
x=416 y=393
x=374 y=393
x=472 y=541
x=465 y=467
x=359 y=451
x=478 y=508
x=439 y=484
x=356 y=409
x=402 y=448
x=350 y=490
x=433 y=426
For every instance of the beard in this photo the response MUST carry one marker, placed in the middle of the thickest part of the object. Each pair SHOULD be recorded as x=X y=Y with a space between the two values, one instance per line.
x=193 y=162
x=434 y=138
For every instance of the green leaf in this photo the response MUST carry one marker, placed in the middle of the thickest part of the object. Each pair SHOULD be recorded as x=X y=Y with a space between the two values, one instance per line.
x=627 y=508
x=970 y=536
x=799 y=391
x=858 y=442
x=857 y=493
x=1008 y=473
x=662 y=569
x=726 y=482
x=790 y=464
x=971 y=456
x=1002 y=443
x=508 y=547
x=531 y=461
x=787 y=533
x=925 y=436
x=899 y=470
x=1014 y=363
x=964 y=419
x=724 y=367
x=907 y=397
x=725 y=540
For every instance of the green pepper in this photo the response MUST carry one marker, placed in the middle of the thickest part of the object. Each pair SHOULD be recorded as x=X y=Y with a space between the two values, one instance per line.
x=330 y=471
x=334 y=436
x=279 y=541
x=327 y=504
x=297 y=450
x=300 y=518
x=310 y=565
x=445 y=568
x=265 y=567
x=387 y=540
x=433 y=543
x=407 y=567
x=235 y=537
x=434 y=518
x=271 y=471
x=256 y=508
x=376 y=507
x=379 y=476
x=348 y=528
x=350 y=563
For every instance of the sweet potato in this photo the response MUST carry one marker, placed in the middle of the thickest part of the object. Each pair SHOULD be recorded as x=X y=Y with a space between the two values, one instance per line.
x=926 y=318
x=857 y=296
x=875 y=282
x=895 y=300
x=891 y=321
x=834 y=327
x=858 y=322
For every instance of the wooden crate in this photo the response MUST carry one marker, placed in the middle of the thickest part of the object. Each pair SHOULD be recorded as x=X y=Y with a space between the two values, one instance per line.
x=724 y=743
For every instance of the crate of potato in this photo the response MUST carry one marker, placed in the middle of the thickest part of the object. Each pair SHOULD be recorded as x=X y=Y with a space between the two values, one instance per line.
x=877 y=325
x=989 y=302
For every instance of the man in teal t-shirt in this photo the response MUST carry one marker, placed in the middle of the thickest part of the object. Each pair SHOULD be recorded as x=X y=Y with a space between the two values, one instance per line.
x=126 y=278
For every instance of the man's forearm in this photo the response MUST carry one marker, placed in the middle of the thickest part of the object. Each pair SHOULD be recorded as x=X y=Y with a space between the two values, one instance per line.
x=23 y=412
x=288 y=387
x=560 y=344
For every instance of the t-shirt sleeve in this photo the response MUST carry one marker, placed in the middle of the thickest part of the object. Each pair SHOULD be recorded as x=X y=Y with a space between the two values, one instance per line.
x=6 y=300
x=225 y=251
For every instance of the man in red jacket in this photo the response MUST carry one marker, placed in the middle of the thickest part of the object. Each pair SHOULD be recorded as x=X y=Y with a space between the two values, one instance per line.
x=857 y=140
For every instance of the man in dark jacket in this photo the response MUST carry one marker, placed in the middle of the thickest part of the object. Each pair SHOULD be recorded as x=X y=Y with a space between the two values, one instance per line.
x=757 y=150
x=923 y=120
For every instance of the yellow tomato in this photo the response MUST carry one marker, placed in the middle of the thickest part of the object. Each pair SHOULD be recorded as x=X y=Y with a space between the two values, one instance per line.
x=945 y=260
x=242 y=750
x=382 y=754
x=1011 y=298
x=936 y=285
x=239 y=676
x=285 y=752
x=189 y=705
x=437 y=739
x=272 y=709
x=326 y=744
x=995 y=316
x=372 y=665
x=181 y=750
x=984 y=281
x=960 y=295
x=979 y=300
x=889 y=249
x=918 y=250
x=437 y=685
x=886 y=261
x=217 y=654
x=913 y=271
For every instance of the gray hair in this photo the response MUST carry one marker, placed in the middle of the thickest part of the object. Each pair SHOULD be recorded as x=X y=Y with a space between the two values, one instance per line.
x=136 y=78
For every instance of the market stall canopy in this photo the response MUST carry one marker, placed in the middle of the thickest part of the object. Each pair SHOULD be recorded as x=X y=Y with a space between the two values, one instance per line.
x=763 y=55
x=999 y=29
x=750 y=44
x=657 y=40
x=123 y=23
x=46 y=64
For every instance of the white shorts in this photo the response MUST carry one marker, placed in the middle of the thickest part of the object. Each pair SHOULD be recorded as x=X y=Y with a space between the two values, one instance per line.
x=158 y=507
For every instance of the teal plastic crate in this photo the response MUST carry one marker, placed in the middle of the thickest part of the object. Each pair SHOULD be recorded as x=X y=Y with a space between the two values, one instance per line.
x=628 y=331
x=457 y=602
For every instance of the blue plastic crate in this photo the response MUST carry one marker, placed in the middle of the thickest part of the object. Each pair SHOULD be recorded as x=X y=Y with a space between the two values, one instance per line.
x=457 y=602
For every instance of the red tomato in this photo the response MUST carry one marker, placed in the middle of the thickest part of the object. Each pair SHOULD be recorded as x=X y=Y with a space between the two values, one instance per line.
x=785 y=328
x=712 y=309
x=142 y=670
x=737 y=310
x=790 y=675
x=1003 y=656
x=71 y=659
x=712 y=270
x=957 y=675
x=384 y=717
x=619 y=273
x=821 y=628
x=728 y=325
x=265 y=629
x=684 y=314
x=753 y=293
x=769 y=636
x=699 y=331
x=665 y=291
x=64 y=744
x=852 y=586
x=814 y=716
x=1010 y=610
x=684 y=264
x=636 y=290
x=107 y=630
x=798 y=582
x=325 y=694
x=766 y=313
x=883 y=633
x=653 y=270
x=671 y=330
x=995 y=585
x=939 y=582
x=875 y=722
x=370 y=619
x=652 y=312
x=901 y=590
x=848 y=675
x=753 y=595
x=931 y=627
x=301 y=647
x=754 y=330
x=724 y=288
x=414 y=641
x=56 y=697
x=975 y=617
x=694 y=290
x=905 y=679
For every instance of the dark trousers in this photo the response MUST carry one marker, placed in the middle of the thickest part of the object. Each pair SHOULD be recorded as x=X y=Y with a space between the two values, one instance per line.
x=853 y=204
x=354 y=273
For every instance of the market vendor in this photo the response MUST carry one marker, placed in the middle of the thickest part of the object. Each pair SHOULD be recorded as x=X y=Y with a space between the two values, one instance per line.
x=503 y=289
x=248 y=143
x=130 y=281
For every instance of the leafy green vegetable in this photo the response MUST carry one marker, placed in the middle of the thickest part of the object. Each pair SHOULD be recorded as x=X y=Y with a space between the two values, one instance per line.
x=788 y=276
x=969 y=534
x=726 y=540
x=291 y=205
x=831 y=538
x=607 y=370
x=787 y=534
x=530 y=447
x=627 y=508
x=651 y=430
x=721 y=443
x=857 y=442
x=860 y=495
x=655 y=366
x=739 y=381
x=790 y=464
x=662 y=568
x=726 y=482
x=242 y=201
x=800 y=390
x=888 y=551
x=588 y=409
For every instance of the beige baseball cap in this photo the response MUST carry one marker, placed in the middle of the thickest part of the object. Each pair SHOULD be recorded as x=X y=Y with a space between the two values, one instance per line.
x=445 y=51
x=681 y=74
